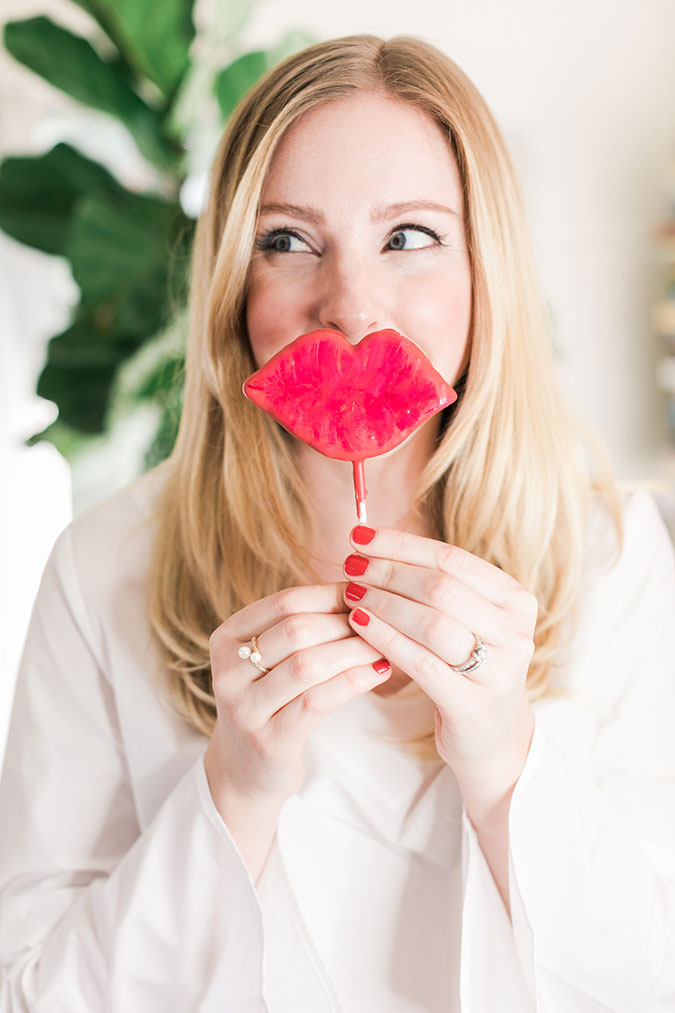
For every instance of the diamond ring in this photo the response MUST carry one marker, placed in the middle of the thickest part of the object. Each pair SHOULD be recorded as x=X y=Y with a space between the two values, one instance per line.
x=478 y=656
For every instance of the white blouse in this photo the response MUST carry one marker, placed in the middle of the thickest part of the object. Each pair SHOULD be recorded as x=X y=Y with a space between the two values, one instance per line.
x=122 y=890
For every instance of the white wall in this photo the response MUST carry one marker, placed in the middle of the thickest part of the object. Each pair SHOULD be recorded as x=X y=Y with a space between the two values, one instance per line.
x=585 y=92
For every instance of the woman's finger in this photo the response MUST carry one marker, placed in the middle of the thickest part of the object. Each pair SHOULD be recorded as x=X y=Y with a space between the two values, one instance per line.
x=257 y=617
x=429 y=671
x=482 y=577
x=298 y=632
x=449 y=639
x=305 y=712
x=439 y=592
x=304 y=670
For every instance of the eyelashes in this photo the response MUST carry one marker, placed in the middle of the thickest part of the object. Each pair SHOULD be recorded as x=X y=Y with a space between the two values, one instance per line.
x=280 y=240
x=415 y=227
x=268 y=239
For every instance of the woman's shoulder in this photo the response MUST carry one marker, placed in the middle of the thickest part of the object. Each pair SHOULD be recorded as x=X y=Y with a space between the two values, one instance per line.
x=95 y=582
x=112 y=540
x=625 y=605
x=645 y=529
x=619 y=637
x=135 y=503
x=641 y=545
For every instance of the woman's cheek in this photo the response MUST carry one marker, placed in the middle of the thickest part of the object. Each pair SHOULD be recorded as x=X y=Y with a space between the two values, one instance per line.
x=438 y=319
x=269 y=318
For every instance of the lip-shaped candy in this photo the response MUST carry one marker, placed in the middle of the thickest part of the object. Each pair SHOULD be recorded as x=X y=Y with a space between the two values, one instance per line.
x=350 y=402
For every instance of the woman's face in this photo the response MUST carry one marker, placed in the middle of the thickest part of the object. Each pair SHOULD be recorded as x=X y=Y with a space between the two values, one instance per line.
x=361 y=229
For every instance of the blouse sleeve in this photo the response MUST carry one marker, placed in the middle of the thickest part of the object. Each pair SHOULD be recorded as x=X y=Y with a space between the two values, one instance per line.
x=94 y=913
x=592 y=818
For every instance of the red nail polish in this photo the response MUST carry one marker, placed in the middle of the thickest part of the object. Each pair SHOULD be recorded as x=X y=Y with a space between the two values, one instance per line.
x=381 y=666
x=354 y=592
x=360 y=617
x=362 y=535
x=356 y=566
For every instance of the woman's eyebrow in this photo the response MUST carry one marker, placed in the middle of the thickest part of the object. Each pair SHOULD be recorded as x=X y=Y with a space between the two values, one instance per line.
x=403 y=207
x=315 y=217
x=310 y=215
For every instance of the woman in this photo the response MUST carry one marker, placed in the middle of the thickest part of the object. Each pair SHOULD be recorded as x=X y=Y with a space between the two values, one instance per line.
x=441 y=781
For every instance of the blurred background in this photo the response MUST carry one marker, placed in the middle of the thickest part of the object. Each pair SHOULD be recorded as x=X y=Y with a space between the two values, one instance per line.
x=106 y=143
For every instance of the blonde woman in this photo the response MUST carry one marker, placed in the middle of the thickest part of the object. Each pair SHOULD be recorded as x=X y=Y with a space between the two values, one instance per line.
x=445 y=780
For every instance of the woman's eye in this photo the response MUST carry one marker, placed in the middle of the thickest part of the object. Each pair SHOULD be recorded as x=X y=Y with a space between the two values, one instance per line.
x=282 y=241
x=416 y=238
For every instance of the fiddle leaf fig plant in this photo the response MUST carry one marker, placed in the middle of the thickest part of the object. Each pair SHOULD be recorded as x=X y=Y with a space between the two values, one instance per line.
x=128 y=251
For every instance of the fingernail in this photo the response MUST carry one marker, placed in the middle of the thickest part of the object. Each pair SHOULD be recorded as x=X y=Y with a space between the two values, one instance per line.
x=355 y=592
x=360 y=617
x=362 y=535
x=382 y=666
x=356 y=566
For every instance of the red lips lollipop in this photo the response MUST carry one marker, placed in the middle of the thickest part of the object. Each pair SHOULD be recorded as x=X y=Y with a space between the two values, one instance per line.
x=347 y=401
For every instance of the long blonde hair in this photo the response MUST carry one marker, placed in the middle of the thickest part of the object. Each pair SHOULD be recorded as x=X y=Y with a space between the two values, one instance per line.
x=508 y=480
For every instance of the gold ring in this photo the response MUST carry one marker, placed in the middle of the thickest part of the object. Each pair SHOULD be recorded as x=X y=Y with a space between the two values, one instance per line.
x=252 y=654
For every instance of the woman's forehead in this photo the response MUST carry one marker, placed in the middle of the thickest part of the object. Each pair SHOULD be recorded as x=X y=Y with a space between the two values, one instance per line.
x=368 y=139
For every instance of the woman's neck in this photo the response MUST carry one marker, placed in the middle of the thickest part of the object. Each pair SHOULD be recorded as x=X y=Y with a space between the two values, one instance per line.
x=391 y=481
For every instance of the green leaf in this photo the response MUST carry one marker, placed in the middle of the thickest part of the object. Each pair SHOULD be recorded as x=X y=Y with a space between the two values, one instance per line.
x=120 y=253
x=118 y=60
x=167 y=430
x=94 y=374
x=100 y=12
x=120 y=248
x=163 y=386
x=80 y=370
x=85 y=347
x=154 y=376
x=70 y=63
x=233 y=81
x=166 y=375
x=154 y=36
x=68 y=441
x=38 y=194
x=82 y=395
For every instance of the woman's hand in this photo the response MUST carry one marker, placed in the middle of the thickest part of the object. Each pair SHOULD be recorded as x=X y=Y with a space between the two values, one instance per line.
x=421 y=603
x=256 y=754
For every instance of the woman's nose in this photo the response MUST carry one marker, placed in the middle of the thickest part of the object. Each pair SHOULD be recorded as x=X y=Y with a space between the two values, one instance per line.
x=349 y=301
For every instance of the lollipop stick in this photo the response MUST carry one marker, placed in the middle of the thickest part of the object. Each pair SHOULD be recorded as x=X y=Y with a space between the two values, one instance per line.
x=360 y=491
